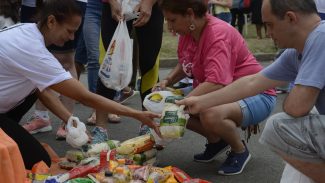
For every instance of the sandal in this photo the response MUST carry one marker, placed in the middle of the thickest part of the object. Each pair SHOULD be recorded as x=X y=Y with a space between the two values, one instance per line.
x=91 y=121
x=114 y=118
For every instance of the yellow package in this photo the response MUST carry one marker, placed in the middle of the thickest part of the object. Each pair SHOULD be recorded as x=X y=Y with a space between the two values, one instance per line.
x=136 y=145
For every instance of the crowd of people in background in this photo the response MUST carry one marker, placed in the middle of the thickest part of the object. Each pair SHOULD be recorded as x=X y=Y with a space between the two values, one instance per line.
x=69 y=35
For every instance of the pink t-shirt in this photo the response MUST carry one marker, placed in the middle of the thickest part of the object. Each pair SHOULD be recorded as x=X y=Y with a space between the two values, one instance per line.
x=221 y=56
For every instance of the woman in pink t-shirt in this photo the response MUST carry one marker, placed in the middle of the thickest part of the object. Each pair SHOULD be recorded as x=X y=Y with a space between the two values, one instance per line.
x=214 y=54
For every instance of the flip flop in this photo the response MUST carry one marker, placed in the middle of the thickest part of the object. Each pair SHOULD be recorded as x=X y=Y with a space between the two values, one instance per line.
x=91 y=121
x=114 y=118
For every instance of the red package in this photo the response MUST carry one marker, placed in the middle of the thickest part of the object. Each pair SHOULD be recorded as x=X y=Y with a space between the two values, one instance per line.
x=180 y=175
x=196 y=181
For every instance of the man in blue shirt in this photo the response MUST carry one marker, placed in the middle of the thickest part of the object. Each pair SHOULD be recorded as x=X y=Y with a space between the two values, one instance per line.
x=296 y=135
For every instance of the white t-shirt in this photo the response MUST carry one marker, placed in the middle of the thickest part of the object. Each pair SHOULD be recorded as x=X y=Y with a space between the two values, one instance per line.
x=320 y=4
x=25 y=64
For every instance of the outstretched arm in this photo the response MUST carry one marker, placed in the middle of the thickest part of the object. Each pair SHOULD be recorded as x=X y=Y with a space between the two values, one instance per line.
x=242 y=88
x=75 y=90
x=53 y=103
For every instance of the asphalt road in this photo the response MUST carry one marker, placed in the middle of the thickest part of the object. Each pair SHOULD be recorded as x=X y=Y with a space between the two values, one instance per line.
x=264 y=167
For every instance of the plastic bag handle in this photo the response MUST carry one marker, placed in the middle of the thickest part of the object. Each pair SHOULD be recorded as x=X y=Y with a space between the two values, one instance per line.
x=70 y=122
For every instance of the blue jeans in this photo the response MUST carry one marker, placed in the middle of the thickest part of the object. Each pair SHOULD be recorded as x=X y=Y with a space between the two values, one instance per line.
x=322 y=16
x=256 y=108
x=224 y=16
x=89 y=48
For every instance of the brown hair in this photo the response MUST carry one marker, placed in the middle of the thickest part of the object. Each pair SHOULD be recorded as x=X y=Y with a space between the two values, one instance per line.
x=280 y=7
x=10 y=9
x=181 y=6
x=62 y=10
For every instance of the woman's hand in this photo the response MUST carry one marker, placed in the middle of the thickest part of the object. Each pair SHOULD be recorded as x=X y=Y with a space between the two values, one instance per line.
x=160 y=86
x=116 y=10
x=144 y=9
x=147 y=118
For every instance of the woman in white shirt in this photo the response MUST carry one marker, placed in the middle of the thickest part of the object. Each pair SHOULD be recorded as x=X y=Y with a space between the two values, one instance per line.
x=28 y=72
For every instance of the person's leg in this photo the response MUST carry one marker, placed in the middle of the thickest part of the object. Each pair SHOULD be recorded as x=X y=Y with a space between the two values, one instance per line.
x=299 y=141
x=108 y=27
x=27 y=14
x=80 y=56
x=101 y=116
x=315 y=171
x=91 y=31
x=31 y=150
x=150 y=39
x=241 y=20
x=234 y=16
x=222 y=122
x=259 y=31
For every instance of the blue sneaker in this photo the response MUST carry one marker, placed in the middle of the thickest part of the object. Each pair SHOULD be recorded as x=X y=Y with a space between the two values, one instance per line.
x=99 y=135
x=235 y=163
x=211 y=151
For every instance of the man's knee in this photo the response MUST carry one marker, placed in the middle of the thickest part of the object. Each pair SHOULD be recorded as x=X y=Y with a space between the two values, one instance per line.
x=269 y=131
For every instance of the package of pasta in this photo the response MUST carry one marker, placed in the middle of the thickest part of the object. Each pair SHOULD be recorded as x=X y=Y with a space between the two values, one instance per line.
x=173 y=121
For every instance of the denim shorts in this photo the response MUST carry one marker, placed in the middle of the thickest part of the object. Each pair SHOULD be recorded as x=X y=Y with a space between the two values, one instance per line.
x=257 y=108
x=301 y=138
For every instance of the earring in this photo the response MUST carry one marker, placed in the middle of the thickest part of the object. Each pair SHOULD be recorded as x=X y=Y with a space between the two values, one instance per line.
x=192 y=27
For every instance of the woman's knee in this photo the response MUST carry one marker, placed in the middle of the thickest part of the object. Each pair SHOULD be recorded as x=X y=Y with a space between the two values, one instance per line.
x=211 y=117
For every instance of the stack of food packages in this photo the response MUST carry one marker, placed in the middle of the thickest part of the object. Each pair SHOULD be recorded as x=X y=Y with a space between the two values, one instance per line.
x=112 y=162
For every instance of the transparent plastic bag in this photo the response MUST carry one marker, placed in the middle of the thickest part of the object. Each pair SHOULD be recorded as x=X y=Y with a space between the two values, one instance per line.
x=116 y=70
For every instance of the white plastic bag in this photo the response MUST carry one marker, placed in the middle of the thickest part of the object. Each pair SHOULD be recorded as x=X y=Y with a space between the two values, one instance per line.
x=76 y=136
x=128 y=7
x=155 y=101
x=116 y=70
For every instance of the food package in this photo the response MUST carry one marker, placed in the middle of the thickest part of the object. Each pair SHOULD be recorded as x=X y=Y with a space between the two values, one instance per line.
x=112 y=144
x=74 y=155
x=95 y=149
x=67 y=165
x=158 y=175
x=155 y=101
x=136 y=145
x=173 y=121
x=145 y=156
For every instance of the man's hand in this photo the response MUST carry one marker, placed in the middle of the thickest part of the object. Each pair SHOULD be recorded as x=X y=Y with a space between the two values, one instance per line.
x=144 y=9
x=116 y=10
x=193 y=106
x=146 y=118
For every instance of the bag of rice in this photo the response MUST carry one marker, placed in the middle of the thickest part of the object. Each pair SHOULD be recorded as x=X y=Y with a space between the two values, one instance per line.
x=173 y=121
